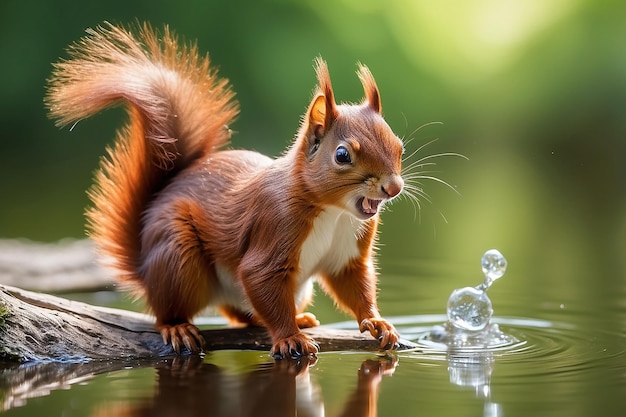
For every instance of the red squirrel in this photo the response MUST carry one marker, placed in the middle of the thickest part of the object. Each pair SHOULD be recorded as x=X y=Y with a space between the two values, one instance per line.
x=188 y=224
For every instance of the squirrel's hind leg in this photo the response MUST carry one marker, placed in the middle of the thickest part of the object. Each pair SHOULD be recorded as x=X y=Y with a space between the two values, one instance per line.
x=177 y=275
x=306 y=320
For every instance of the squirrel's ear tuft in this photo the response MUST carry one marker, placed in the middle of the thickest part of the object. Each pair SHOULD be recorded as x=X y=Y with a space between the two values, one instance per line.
x=372 y=96
x=323 y=110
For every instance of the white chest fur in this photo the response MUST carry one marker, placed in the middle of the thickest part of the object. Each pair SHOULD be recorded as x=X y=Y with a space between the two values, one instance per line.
x=331 y=243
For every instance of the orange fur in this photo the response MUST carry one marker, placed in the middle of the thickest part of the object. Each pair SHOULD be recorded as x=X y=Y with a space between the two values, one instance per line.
x=189 y=225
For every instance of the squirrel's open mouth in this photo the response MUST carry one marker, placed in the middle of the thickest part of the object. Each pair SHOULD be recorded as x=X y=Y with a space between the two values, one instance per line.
x=367 y=206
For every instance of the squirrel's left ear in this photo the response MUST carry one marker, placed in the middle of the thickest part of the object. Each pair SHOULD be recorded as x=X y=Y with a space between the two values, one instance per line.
x=372 y=96
x=323 y=110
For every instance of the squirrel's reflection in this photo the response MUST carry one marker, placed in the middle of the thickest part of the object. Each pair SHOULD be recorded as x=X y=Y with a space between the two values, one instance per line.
x=187 y=386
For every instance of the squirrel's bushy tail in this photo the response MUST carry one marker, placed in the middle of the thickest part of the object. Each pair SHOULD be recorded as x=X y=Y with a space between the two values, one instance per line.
x=179 y=111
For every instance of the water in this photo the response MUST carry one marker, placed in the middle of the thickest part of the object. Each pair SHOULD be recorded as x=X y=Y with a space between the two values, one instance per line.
x=569 y=359
x=469 y=308
x=556 y=368
x=469 y=311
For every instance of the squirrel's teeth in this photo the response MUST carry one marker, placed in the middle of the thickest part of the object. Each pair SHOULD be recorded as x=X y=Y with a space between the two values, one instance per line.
x=366 y=205
x=370 y=206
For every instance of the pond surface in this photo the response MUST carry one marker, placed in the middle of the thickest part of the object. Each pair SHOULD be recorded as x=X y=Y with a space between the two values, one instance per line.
x=570 y=360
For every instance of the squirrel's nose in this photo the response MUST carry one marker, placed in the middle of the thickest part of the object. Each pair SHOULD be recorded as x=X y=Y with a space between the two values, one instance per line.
x=392 y=185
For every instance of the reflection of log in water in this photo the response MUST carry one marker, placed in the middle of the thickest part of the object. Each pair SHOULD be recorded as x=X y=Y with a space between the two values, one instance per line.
x=189 y=386
x=18 y=383
x=42 y=327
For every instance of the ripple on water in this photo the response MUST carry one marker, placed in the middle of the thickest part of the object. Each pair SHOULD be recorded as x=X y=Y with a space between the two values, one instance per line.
x=543 y=347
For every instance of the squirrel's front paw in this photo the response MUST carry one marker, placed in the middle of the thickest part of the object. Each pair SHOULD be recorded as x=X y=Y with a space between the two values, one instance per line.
x=182 y=334
x=294 y=347
x=382 y=330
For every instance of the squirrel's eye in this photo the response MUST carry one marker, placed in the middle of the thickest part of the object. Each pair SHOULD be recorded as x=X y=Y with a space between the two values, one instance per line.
x=342 y=156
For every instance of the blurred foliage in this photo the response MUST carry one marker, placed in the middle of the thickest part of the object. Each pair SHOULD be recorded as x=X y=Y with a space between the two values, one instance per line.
x=531 y=91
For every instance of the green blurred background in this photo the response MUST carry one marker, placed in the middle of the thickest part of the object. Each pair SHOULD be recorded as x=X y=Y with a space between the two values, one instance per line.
x=532 y=92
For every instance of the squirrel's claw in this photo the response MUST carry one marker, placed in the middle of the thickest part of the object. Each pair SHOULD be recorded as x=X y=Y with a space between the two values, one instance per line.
x=382 y=330
x=295 y=347
x=182 y=334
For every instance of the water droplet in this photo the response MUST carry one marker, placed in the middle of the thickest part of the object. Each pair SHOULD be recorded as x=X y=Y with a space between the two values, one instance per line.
x=469 y=309
x=494 y=266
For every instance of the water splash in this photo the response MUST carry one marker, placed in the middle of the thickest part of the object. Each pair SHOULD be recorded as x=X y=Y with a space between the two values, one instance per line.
x=470 y=308
x=469 y=312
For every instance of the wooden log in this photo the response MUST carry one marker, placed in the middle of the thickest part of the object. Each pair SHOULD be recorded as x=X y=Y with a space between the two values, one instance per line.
x=63 y=266
x=43 y=327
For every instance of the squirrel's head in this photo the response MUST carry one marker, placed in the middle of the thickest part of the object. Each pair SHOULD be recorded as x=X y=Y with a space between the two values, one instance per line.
x=352 y=159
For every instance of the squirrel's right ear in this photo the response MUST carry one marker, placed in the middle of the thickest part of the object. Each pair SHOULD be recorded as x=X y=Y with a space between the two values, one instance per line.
x=323 y=109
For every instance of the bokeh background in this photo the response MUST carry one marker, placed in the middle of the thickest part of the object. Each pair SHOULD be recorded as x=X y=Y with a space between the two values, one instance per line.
x=533 y=92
